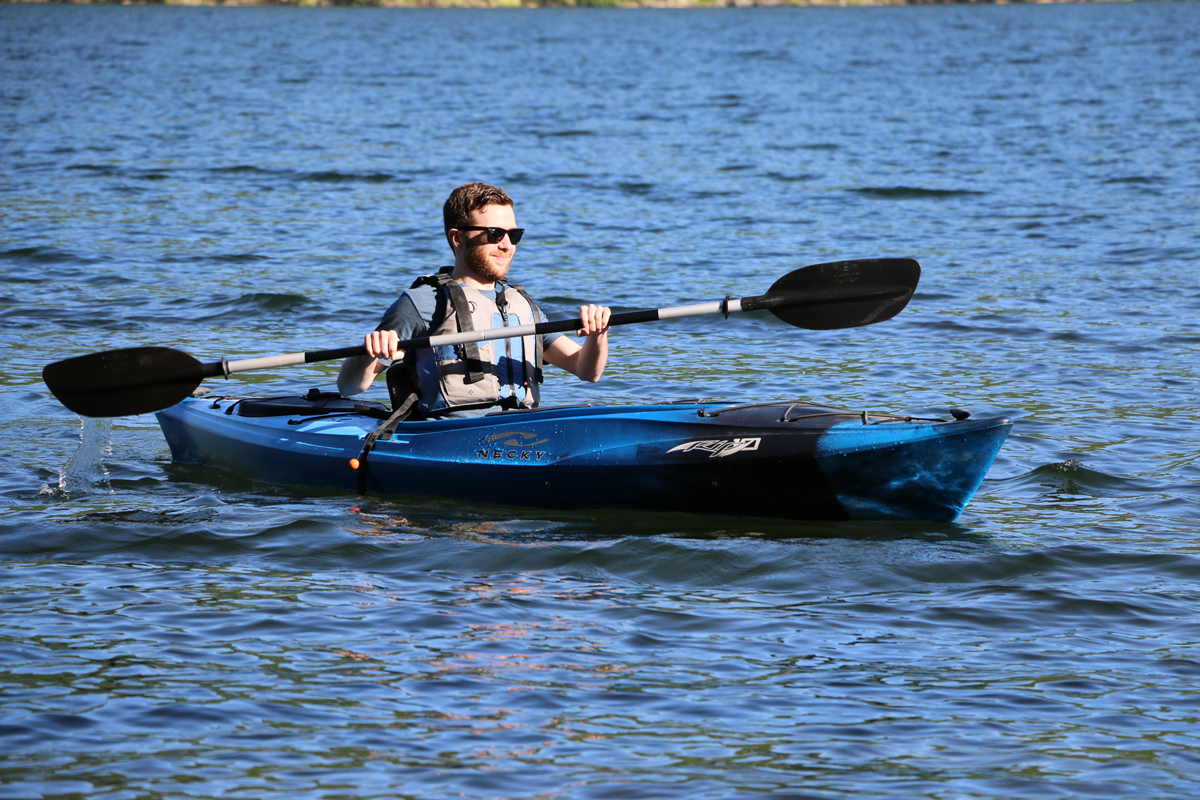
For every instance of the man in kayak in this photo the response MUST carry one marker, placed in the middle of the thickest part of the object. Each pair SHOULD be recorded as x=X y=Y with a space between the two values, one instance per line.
x=468 y=380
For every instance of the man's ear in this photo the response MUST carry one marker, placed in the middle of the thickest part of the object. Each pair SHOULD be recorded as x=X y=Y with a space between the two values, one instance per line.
x=454 y=239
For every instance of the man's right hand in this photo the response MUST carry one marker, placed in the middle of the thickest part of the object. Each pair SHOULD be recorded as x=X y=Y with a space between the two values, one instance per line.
x=382 y=344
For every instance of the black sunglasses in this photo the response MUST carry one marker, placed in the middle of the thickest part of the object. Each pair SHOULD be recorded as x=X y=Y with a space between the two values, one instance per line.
x=494 y=235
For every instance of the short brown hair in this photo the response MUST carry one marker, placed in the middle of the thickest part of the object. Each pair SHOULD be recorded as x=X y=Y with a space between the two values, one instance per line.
x=468 y=198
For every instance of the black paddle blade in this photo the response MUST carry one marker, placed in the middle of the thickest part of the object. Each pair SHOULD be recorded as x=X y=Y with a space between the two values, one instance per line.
x=842 y=294
x=120 y=383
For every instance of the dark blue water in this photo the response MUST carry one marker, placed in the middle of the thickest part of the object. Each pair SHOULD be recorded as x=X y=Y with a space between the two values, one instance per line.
x=244 y=181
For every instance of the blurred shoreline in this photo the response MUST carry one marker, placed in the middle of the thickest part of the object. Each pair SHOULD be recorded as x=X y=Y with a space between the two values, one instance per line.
x=555 y=3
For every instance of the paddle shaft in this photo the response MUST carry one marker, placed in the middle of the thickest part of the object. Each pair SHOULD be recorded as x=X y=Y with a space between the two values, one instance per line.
x=537 y=329
x=726 y=307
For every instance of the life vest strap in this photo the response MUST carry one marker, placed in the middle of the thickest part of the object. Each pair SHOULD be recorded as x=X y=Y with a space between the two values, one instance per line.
x=462 y=311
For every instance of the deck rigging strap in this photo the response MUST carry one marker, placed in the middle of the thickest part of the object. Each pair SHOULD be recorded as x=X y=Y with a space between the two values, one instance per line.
x=384 y=432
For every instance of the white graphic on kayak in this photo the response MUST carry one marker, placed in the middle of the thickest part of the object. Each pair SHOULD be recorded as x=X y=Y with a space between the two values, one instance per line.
x=718 y=448
x=512 y=446
x=516 y=439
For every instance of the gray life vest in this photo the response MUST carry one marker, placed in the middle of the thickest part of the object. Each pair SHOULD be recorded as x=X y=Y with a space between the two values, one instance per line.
x=504 y=372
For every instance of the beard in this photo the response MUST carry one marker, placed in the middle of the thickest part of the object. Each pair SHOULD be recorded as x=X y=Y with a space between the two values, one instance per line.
x=485 y=269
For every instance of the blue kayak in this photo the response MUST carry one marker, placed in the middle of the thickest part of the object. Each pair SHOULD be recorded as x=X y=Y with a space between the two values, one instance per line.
x=784 y=460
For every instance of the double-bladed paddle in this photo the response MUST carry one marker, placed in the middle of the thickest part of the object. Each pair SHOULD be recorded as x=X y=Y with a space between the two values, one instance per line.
x=138 y=380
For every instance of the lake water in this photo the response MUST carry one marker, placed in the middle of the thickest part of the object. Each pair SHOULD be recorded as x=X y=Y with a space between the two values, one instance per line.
x=250 y=181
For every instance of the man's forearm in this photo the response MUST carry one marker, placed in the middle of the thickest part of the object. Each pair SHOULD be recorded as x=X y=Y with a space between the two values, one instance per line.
x=592 y=357
x=357 y=375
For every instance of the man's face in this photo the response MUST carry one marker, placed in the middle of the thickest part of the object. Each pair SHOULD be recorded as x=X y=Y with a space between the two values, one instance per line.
x=489 y=262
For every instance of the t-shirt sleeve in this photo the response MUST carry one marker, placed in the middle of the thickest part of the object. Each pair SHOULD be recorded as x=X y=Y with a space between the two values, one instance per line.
x=547 y=338
x=404 y=318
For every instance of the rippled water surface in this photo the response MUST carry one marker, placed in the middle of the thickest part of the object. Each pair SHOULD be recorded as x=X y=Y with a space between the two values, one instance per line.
x=240 y=182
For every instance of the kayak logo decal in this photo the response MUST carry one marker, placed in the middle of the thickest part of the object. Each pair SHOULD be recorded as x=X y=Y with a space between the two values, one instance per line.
x=512 y=446
x=718 y=448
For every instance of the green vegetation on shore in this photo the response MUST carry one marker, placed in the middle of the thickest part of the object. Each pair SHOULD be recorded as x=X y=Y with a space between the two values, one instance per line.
x=545 y=3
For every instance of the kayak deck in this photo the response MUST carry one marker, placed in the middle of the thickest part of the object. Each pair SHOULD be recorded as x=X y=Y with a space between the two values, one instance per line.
x=785 y=460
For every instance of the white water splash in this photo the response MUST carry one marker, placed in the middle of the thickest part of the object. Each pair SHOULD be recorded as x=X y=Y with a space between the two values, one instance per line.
x=85 y=472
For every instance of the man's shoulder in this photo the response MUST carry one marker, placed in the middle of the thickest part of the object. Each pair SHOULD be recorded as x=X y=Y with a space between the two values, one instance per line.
x=419 y=289
x=424 y=298
x=413 y=309
x=430 y=280
x=426 y=286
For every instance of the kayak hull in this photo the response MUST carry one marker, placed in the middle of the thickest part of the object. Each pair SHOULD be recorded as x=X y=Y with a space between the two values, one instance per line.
x=793 y=461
